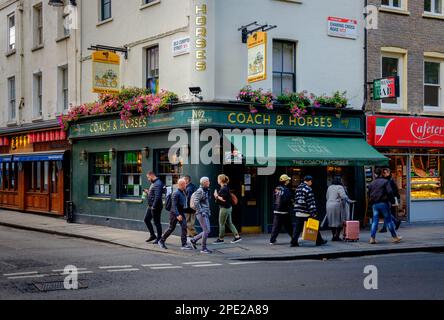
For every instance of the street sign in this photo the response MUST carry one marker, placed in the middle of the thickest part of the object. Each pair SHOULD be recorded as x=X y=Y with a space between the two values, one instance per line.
x=386 y=88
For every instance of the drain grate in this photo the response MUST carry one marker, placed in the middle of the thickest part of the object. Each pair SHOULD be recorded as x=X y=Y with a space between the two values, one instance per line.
x=55 y=286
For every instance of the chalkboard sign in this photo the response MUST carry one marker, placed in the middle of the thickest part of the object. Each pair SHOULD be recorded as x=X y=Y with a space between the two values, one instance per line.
x=433 y=166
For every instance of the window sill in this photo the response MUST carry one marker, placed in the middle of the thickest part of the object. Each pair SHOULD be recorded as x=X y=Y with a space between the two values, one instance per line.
x=10 y=53
x=147 y=5
x=63 y=38
x=37 y=48
x=430 y=112
x=130 y=201
x=393 y=111
x=395 y=11
x=37 y=119
x=99 y=199
x=101 y=23
x=291 y=1
x=433 y=16
x=11 y=123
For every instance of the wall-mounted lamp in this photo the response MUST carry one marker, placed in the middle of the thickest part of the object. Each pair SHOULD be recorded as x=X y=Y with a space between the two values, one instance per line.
x=112 y=153
x=83 y=155
x=61 y=3
x=146 y=152
x=196 y=91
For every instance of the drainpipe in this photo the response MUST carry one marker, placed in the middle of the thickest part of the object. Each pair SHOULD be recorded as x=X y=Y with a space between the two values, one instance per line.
x=21 y=63
x=365 y=61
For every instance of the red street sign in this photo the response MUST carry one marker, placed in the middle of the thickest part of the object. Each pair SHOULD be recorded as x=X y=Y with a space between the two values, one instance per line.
x=386 y=131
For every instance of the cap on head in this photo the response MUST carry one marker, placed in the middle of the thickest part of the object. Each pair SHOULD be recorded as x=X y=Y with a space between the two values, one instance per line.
x=284 y=178
x=308 y=178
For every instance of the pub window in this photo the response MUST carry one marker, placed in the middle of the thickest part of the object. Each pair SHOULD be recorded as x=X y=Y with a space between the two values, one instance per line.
x=168 y=172
x=105 y=10
x=433 y=6
x=432 y=85
x=11 y=32
x=38 y=173
x=152 y=69
x=284 y=67
x=100 y=174
x=8 y=178
x=130 y=174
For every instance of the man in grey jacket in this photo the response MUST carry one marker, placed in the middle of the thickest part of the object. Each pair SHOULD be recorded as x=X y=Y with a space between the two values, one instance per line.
x=201 y=202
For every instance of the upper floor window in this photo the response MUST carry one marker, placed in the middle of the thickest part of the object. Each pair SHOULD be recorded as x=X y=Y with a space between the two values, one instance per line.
x=11 y=98
x=105 y=10
x=433 y=77
x=38 y=95
x=284 y=67
x=11 y=32
x=392 y=3
x=38 y=25
x=433 y=6
x=63 y=89
x=149 y=1
x=392 y=65
x=152 y=72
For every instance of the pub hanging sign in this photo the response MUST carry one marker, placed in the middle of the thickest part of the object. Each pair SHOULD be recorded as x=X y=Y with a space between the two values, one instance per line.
x=106 y=72
x=257 y=57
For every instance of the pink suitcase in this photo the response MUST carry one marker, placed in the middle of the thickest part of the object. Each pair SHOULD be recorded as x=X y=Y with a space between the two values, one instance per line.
x=351 y=227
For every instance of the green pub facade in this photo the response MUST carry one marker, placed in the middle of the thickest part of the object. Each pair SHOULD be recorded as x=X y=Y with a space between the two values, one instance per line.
x=110 y=159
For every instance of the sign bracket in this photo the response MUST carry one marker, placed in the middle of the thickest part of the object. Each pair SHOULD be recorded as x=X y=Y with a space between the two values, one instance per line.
x=246 y=32
x=99 y=47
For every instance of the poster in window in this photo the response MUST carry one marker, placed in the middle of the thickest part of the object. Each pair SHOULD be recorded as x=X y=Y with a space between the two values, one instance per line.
x=257 y=57
x=107 y=189
x=433 y=166
x=102 y=189
x=96 y=189
x=169 y=180
x=137 y=190
x=102 y=180
x=130 y=180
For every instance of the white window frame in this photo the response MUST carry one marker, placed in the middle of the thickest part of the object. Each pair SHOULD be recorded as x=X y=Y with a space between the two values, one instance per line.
x=12 y=99
x=440 y=107
x=400 y=103
x=9 y=36
x=63 y=89
x=38 y=24
x=433 y=6
x=38 y=95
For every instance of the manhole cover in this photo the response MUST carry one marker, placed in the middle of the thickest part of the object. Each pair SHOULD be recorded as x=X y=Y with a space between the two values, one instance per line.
x=55 y=286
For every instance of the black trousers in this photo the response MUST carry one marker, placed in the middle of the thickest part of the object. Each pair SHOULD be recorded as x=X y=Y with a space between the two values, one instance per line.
x=173 y=224
x=153 y=215
x=279 y=221
x=299 y=228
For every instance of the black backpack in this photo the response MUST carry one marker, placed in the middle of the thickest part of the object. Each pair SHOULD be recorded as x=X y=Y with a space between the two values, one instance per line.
x=169 y=202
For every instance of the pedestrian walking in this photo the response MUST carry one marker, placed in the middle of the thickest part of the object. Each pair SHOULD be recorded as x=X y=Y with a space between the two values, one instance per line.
x=337 y=207
x=177 y=215
x=190 y=214
x=380 y=195
x=155 y=206
x=304 y=208
x=281 y=209
x=201 y=202
x=396 y=200
x=224 y=200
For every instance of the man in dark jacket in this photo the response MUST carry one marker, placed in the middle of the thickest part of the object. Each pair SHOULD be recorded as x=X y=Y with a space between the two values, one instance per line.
x=380 y=195
x=155 y=206
x=177 y=214
x=281 y=209
x=304 y=208
x=190 y=214
x=395 y=200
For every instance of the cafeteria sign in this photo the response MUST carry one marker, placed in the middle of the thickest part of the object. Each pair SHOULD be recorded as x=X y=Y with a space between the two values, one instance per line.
x=342 y=28
x=386 y=88
x=106 y=72
x=257 y=57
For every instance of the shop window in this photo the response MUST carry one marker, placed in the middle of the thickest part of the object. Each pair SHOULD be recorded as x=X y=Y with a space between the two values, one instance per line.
x=169 y=173
x=284 y=67
x=427 y=177
x=130 y=174
x=152 y=69
x=37 y=174
x=432 y=85
x=433 y=6
x=8 y=172
x=100 y=184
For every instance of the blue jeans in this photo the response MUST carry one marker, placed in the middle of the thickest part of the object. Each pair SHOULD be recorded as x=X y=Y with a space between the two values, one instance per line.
x=383 y=209
x=204 y=222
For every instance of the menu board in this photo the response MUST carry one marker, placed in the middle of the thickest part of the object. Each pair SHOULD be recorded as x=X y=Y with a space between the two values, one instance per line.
x=433 y=166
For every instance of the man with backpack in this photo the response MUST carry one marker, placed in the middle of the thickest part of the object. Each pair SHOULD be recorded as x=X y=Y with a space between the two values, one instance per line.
x=380 y=196
x=190 y=214
x=176 y=205
x=200 y=201
x=155 y=206
x=282 y=207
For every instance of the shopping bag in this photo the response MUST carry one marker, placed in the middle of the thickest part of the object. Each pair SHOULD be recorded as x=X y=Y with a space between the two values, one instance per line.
x=311 y=229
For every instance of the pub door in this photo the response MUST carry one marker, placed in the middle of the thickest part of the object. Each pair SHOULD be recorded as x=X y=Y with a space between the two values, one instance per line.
x=57 y=189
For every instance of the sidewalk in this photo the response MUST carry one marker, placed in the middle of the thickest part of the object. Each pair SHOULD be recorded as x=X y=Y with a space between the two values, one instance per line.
x=417 y=237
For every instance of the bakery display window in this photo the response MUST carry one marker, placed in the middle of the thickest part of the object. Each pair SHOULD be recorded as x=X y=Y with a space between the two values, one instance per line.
x=427 y=176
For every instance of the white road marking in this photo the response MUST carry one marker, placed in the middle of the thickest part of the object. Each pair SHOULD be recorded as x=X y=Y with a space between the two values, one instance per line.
x=157 y=265
x=115 y=267
x=206 y=265
x=198 y=262
x=20 y=274
x=63 y=270
x=242 y=263
x=165 y=268
x=80 y=272
x=27 y=277
x=124 y=270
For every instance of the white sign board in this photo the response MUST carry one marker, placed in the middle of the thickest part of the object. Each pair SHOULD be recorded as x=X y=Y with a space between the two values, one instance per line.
x=342 y=28
x=181 y=46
